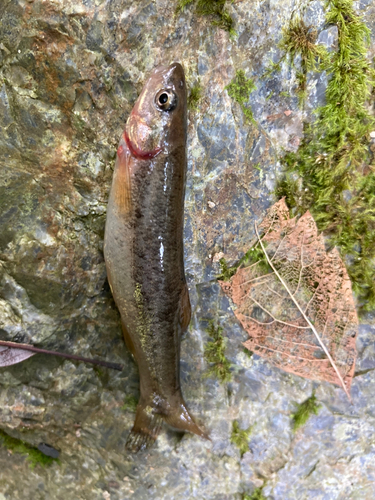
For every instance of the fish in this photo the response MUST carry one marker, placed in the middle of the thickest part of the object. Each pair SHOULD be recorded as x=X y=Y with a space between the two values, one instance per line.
x=143 y=250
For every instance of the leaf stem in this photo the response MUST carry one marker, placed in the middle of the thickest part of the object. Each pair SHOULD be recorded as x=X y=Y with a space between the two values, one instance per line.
x=304 y=316
x=28 y=347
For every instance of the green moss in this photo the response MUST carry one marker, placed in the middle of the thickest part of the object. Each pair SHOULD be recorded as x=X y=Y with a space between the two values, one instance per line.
x=256 y=495
x=194 y=96
x=253 y=256
x=289 y=188
x=213 y=8
x=240 y=89
x=303 y=412
x=335 y=168
x=33 y=455
x=226 y=271
x=130 y=403
x=299 y=39
x=240 y=438
x=248 y=353
x=214 y=353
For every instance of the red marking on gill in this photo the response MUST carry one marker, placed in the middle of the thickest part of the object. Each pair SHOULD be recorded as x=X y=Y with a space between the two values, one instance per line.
x=120 y=150
x=142 y=155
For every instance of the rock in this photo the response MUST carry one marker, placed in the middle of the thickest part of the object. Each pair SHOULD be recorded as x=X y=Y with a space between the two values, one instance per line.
x=69 y=75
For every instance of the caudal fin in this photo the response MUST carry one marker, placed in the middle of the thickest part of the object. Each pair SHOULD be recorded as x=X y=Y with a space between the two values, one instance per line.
x=145 y=429
x=147 y=425
x=181 y=419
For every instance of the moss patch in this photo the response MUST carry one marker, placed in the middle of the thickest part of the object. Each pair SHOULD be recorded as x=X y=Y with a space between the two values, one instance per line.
x=130 y=403
x=226 y=271
x=253 y=256
x=194 y=96
x=299 y=39
x=214 y=353
x=240 y=438
x=335 y=167
x=256 y=495
x=33 y=455
x=240 y=89
x=215 y=9
x=304 y=411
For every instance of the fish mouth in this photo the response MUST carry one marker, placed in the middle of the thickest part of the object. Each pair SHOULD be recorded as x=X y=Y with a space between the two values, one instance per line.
x=173 y=75
x=174 y=69
x=178 y=73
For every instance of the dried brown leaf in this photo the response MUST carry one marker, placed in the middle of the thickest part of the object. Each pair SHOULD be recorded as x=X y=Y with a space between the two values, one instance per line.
x=10 y=356
x=281 y=324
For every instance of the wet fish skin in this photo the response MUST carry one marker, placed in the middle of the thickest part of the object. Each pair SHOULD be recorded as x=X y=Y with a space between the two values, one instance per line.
x=143 y=249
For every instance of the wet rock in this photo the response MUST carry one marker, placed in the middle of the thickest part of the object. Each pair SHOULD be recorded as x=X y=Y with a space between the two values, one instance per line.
x=69 y=75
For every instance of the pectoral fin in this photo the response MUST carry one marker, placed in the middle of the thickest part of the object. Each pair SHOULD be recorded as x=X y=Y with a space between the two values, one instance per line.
x=128 y=341
x=185 y=309
x=122 y=180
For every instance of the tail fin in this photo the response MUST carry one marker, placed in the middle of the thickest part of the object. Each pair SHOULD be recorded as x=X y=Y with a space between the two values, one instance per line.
x=181 y=419
x=147 y=425
x=145 y=429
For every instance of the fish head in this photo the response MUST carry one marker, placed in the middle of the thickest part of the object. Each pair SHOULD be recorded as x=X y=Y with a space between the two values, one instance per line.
x=158 y=122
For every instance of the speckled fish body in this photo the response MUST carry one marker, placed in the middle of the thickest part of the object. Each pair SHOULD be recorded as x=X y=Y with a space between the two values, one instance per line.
x=143 y=249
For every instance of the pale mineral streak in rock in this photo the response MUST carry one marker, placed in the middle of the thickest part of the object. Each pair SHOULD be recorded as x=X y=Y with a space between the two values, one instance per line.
x=69 y=75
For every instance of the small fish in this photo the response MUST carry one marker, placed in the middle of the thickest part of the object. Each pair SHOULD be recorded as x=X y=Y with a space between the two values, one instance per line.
x=143 y=250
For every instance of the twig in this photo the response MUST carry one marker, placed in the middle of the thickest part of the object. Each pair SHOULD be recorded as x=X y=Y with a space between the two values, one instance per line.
x=28 y=347
x=304 y=316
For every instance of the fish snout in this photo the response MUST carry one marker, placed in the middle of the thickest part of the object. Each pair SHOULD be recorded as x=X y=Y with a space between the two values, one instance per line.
x=177 y=72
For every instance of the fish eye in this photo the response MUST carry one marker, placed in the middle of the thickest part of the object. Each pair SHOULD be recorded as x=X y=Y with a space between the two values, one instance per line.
x=166 y=100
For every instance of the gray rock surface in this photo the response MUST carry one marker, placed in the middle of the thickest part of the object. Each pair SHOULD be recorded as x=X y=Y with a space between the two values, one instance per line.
x=69 y=75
